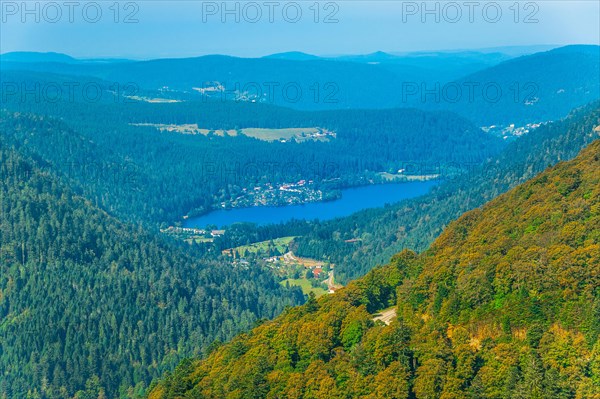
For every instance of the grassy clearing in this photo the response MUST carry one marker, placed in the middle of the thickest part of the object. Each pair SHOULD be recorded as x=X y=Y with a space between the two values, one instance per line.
x=188 y=129
x=300 y=134
x=306 y=262
x=281 y=244
x=305 y=285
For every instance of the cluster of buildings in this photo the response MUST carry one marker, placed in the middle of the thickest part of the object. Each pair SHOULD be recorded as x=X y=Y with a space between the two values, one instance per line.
x=276 y=195
x=191 y=231
x=511 y=131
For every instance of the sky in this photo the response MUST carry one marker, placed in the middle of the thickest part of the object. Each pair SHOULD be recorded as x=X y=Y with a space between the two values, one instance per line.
x=160 y=29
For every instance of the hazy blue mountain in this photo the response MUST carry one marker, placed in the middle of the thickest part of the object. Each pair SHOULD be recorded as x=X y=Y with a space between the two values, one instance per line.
x=311 y=84
x=293 y=55
x=437 y=67
x=534 y=88
x=31 y=56
x=362 y=81
x=512 y=51
x=517 y=51
x=377 y=56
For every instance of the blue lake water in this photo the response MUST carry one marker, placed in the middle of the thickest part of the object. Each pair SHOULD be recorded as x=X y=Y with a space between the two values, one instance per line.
x=352 y=200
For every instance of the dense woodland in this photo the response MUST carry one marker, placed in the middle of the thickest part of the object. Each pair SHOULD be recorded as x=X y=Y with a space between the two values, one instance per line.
x=86 y=300
x=140 y=174
x=504 y=304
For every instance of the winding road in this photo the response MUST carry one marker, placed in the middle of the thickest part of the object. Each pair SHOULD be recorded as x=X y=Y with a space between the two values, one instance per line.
x=386 y=315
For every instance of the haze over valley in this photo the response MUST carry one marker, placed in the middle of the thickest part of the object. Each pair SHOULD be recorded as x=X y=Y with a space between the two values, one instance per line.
x=322 y=206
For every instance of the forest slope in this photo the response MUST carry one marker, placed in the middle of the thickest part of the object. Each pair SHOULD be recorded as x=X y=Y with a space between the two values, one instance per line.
x=504 y=304
x=88 y=300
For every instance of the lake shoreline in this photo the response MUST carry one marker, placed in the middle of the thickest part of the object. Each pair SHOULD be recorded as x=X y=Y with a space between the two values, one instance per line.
x=351 y=200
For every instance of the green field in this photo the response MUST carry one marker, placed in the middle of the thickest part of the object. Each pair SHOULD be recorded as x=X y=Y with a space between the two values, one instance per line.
x=401 y=177
x=200 y=240
x=305 y=285
x=300 y=134
x=188 y=128
x=265 y=134
x=281 y=244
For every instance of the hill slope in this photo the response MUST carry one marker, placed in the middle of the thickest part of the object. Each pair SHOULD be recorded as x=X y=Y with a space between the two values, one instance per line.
x=505 y=304
x=34 y=57
x=88 y=301
x=534 y=88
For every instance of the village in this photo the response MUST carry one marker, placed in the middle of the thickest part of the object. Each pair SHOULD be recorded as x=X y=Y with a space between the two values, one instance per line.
x=268 y=194
x=511 y=131
x=309 y=274
x=190 y=234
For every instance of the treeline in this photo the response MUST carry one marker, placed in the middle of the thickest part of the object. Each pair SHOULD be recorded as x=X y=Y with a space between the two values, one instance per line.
x=504 y=304
x=90 y=304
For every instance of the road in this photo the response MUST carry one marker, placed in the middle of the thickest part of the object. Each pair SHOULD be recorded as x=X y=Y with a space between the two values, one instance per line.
x=329 y=282
x=386 y=315
x=289 y=257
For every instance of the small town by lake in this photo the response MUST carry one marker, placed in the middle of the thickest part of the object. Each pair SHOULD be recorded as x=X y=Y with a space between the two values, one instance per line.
x=352 y=200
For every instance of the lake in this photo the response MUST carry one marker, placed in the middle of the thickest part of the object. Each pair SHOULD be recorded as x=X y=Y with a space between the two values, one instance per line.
x=352 y=200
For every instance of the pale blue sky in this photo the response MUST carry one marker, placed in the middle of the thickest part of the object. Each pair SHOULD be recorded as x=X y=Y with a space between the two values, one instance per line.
x=189 y=28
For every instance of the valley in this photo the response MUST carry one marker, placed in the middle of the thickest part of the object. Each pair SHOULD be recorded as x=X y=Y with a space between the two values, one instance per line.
x=418 y=326
x=180 y=236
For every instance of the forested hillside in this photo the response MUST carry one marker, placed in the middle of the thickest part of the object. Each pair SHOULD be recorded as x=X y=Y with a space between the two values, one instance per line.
x=416 y=223
x=534 y=88
x=89 y=303
x=142 y=174
x=504 y=304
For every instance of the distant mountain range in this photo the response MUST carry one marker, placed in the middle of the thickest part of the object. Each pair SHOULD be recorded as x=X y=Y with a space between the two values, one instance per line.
x=507 y=51
x=32 y=56
x=531 y=88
